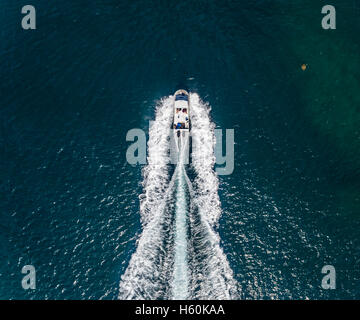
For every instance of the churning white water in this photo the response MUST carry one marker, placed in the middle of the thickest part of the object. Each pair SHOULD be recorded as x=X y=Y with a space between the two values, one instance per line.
x=180 y=283
x=170 y=262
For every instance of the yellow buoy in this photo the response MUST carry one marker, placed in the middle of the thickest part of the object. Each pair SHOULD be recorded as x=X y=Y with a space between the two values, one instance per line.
x=303 y=67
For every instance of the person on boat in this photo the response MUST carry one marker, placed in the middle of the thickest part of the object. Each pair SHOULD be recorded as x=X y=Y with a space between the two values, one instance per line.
x=178 y=126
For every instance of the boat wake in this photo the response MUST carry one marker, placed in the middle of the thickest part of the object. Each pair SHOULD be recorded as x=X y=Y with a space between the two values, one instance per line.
x=178 y=254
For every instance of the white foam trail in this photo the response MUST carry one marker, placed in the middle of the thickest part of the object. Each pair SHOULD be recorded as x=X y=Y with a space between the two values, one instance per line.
x=203 y=159
x=144 y=276
x=213 y=278
x=195 y=265
x=180 y=283
x=156 y=173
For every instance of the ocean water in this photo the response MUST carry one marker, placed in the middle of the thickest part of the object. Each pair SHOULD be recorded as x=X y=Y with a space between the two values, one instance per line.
x=96 y=227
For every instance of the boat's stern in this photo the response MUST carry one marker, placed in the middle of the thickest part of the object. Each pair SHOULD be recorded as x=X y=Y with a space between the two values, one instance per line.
x=181 y=110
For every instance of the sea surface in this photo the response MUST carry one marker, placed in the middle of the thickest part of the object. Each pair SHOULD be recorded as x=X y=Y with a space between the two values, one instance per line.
x=96 y=227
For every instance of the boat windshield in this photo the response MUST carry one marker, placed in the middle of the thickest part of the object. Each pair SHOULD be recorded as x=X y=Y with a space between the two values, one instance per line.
x=183 y=97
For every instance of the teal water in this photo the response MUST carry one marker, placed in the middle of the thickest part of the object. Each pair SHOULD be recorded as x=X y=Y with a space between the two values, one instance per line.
x=72 y=89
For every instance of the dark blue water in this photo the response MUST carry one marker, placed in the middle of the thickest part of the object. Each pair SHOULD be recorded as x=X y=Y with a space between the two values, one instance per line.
x=72 y=89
